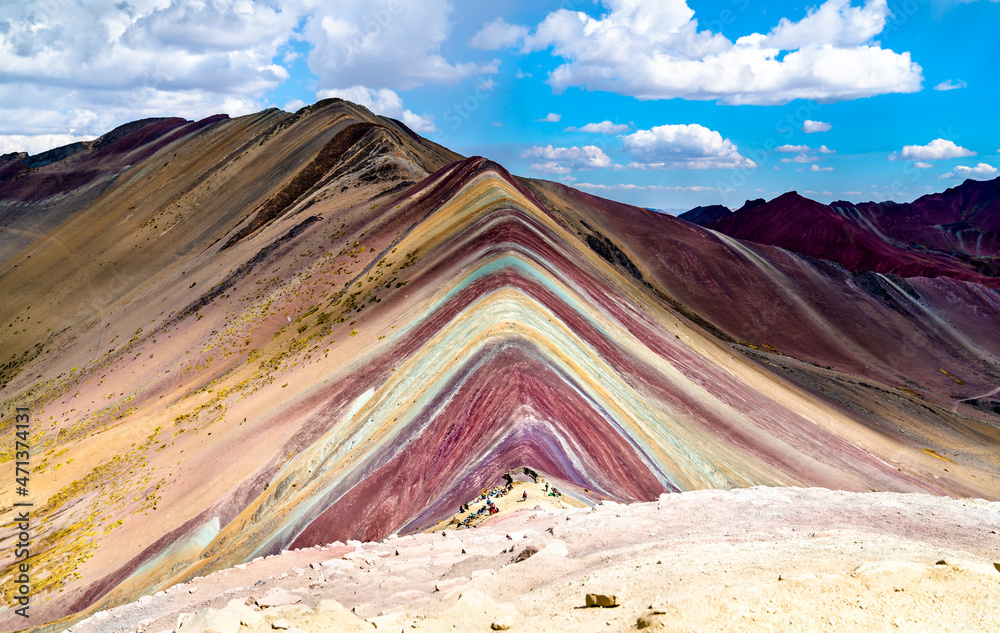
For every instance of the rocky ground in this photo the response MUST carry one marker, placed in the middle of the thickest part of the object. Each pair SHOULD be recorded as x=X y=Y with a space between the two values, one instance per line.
x=759 y=559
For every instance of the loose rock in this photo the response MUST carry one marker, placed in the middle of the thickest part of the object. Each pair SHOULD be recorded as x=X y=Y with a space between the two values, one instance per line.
x=502 y=624
x=602 y=600
x=525 y=554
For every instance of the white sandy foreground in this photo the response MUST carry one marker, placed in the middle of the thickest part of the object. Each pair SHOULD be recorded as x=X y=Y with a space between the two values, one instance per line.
x=760 y=559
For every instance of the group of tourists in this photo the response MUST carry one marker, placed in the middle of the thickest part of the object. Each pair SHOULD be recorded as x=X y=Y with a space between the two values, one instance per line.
x=489 y=508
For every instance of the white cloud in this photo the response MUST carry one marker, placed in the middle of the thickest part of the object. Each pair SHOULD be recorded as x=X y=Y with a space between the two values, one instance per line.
x=818 y=168
x=951 y=84
x=294 y=105
x=938 y=149
x=88 y=66
x=980 y=171
x=551 y=117
x=631 y=187
x=604 y=127
x=793 y=148
x=84 y=67
x=498 y=34
x=682 y=147
x=806 y=154
x=801 y=158
x=811 y=127
x=652 y=49
x=922 y=165
x=38 y=143
x=388 y=43
x=382 y=101
x=562 y=160
x=835 y=22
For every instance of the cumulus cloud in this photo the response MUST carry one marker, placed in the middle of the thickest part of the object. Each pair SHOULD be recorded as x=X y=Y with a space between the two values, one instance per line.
x=922 y=165
x=818 y=168
x=396 y=43
x=551 y=117
x=562 y=160
x=94 y=65
x=498 y=34
x=938 y=149
x=652 y=49
x=69 y=66
x=806 y=154
x=37 y=144
x=604 y=127
x=950 y=85
x=589 y=186
x=979 y=172
x=811 y=127
x=382 y=101
x=801 y=158
x=690 y=146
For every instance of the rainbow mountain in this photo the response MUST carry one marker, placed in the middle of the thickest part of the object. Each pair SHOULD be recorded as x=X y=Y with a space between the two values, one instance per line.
x=242 y=335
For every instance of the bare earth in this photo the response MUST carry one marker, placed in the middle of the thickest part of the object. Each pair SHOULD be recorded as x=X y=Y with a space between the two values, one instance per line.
x=758 y=559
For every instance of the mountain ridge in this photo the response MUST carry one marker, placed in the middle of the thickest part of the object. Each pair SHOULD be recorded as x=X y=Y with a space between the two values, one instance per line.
x=866 y=237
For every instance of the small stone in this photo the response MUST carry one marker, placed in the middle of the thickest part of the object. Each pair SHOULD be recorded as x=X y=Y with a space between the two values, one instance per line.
x=315 y=565
x=525 y=554
x=997 y=565
x=649 y=620
x=281 y=624
x=602 y=600
x=192 y=589
x=503 y=624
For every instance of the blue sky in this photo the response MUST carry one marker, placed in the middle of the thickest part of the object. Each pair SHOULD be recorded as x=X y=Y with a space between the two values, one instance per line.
x=666 y=103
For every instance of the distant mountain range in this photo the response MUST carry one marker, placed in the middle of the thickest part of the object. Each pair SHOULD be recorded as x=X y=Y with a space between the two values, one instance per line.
x=952 y=234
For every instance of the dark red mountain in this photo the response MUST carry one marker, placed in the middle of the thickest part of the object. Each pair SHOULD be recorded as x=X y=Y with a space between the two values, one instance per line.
x=944 y=234
x=706 y=215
